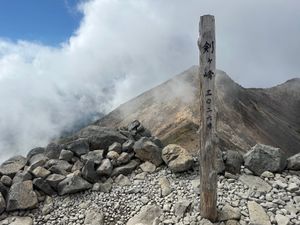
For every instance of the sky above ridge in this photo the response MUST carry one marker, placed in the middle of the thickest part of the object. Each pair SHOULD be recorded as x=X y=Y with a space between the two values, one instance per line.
x=48 y=21
x=62 y=61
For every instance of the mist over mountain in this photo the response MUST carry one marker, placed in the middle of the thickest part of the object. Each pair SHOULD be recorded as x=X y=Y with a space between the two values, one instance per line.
x=246 y=116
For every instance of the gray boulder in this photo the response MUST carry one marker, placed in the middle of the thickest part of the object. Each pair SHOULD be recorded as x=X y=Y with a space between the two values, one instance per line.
x=265 y=158
x=105 y=168
x=257 y=214
x=78 y=165
x=293 y=163
x=35 y=151
x=66 y=155
x=42 y=185
x=60 y=164
x=127 y=146
x=73 y=184
x=148 y=215
x=53 y=150
x=6 y=180
x=177 y=158
x=96 y=156
x=54 y=180
x=11 y=166
x=4 y=190
x=41 y=172
x=125 y=169
x=17 y=220
x=100 y=137
x=93 y=217
x=117 y=147
x=2 y=204
x=21 y=196
x=146 y=150
x=229 y=213
x=37 y=160
x=89 y=172
x=124 y=158
x=233 y=161
x=22 y=176
x=79 y=147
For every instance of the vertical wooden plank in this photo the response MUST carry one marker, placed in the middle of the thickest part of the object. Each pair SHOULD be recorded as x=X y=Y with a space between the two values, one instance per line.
x=208 y=174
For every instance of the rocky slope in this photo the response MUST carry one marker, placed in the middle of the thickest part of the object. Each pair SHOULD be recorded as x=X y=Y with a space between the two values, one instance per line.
x=246 y=115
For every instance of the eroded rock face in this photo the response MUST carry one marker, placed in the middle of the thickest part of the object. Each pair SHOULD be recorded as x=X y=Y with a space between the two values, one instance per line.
x=11 y=166
x=72 y=184
x=146 y=150
x=147 y=216
x=21 y=196
x=177 y=158
x=265 y=158
x=293 y=163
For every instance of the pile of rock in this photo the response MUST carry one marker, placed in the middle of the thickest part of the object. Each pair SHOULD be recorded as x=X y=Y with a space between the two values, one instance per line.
x=86 y=160
x=131 y=178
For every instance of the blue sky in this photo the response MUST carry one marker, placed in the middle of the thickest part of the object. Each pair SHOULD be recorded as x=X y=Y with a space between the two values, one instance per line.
x=46 y=21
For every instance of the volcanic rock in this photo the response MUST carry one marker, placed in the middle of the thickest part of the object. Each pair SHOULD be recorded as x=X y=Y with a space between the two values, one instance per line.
x=89 y=172
x=16 y=220
x=35 y=151
x=177 y=158
x=229 y=213
x=21 y=196
x=72 y=184
x=79 y=147
x=42 y=185
x=125 y=169
x=116 y=147
x=53 y=150
x=2 y=203
x=105 y=168
x=233 y=161
x=93 y=217
x=11 y=166
x=147 y=216
x=6 y=180
x=127 y=146
x=41 y=172
x=54 y=180
x=96 y=156
x=293 y=163
x=148 y=167
x=22 y=176
x=66 y=155
x=146 y=150
x=265 y=158
x=257 y=214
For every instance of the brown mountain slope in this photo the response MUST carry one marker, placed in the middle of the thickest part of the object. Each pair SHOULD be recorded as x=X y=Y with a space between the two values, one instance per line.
x=245 y=116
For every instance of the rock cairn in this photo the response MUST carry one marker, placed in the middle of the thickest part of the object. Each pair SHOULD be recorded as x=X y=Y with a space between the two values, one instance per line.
x=126 y=176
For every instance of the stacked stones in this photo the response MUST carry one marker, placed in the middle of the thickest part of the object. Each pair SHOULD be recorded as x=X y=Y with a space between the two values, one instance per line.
x=129 y=183
x=86 y=160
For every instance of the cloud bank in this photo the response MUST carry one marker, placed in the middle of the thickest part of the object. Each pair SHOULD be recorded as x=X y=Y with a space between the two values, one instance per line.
x=123 y=48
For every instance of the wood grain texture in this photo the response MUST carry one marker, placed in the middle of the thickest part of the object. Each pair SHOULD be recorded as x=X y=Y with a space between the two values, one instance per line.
x=208 y=175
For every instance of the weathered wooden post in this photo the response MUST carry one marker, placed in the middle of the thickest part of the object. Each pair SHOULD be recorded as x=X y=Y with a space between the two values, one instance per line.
x=208 y=174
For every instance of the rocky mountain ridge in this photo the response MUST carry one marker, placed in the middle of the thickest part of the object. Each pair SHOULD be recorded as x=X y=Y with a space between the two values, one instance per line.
x=246 y=115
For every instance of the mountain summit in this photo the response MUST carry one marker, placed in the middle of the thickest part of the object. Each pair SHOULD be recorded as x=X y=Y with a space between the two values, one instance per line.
x=246 y=116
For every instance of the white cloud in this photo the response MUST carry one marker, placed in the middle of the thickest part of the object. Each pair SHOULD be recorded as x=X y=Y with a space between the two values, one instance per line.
x=122 y=48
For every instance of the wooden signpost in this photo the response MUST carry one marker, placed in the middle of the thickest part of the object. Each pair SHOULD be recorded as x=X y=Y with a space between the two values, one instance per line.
x=208 y=174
